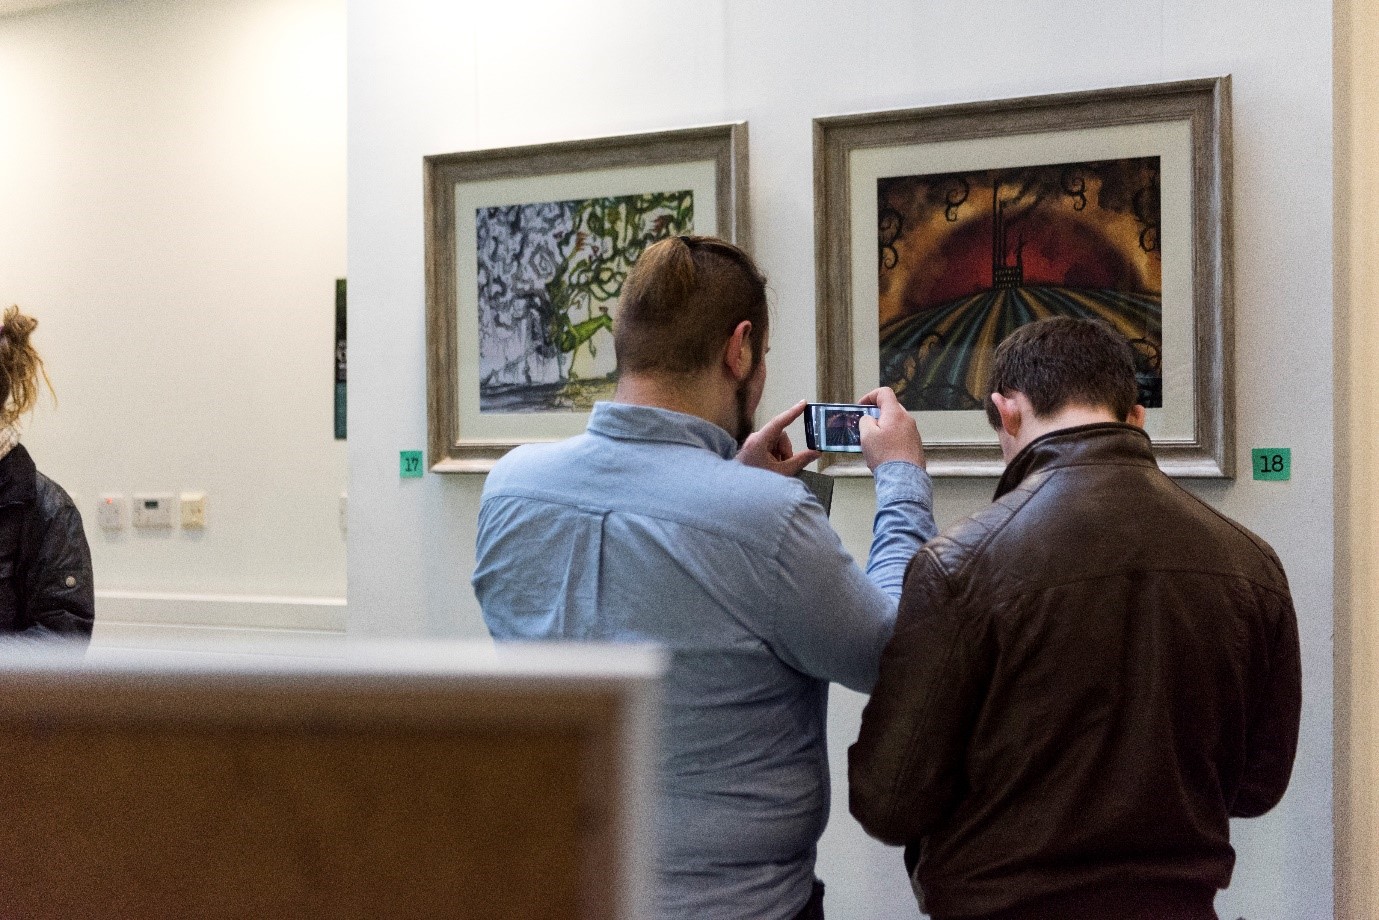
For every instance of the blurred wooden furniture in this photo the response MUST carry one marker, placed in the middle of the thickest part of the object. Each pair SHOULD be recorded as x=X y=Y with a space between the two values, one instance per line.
x=437 y=780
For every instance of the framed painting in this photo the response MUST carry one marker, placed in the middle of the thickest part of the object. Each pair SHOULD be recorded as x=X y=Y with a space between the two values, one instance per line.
x=940 y=230
x=526 y=252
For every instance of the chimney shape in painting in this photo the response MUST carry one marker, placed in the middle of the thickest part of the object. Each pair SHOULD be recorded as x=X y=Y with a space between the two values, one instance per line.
x=1003 y=276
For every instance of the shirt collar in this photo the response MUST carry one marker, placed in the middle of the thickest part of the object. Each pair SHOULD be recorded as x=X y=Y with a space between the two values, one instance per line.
x=627 y=422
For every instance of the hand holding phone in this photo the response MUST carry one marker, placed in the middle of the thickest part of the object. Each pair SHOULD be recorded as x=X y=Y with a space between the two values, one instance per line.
x=893 y=435
x=836 y=426
x=769 y=447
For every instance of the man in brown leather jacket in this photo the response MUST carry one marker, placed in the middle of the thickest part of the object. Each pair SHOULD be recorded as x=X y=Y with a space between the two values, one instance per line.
x=1088 y=678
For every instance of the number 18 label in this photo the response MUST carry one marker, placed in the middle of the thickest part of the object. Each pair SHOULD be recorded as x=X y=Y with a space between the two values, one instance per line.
x=1272 y=463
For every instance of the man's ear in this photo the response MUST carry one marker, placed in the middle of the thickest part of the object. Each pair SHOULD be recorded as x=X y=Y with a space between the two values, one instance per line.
x=1012 y=414
x=1136 y=417
x=737 y=353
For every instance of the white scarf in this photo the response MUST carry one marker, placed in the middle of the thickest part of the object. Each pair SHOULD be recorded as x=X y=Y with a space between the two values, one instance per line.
x=9 y=438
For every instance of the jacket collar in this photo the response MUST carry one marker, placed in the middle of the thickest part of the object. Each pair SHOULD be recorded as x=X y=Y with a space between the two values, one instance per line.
x=1102 y=442
x=18 y=477
x=627 y=422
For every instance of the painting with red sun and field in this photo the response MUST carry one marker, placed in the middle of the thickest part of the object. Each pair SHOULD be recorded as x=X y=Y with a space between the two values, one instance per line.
x=966 y=258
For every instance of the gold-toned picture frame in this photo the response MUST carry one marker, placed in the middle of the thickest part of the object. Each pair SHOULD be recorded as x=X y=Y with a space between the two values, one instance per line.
x=526 y=249
x=939 y=229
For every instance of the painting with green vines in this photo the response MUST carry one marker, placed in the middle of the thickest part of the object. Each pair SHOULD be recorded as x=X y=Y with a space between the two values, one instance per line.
x=549 y=276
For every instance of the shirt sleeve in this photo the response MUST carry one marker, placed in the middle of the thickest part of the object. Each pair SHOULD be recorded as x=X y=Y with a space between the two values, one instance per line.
x=904 y=522
x=834 y=619
x=905 y=770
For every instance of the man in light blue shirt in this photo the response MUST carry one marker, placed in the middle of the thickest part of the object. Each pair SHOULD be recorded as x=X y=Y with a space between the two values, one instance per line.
x=653 y=526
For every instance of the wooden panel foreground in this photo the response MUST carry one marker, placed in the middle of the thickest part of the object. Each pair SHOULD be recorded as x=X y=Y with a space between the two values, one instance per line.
x=322 y=790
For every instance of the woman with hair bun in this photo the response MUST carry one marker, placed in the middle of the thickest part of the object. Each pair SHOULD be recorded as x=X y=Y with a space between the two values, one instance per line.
x=45 y=563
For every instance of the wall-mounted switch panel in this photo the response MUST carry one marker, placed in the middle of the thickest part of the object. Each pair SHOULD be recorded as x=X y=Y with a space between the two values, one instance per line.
x=193 y=506
x=112 y=512
x=153 y=509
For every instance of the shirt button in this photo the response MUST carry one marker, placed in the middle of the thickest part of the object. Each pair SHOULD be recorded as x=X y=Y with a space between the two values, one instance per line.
x=71 y=581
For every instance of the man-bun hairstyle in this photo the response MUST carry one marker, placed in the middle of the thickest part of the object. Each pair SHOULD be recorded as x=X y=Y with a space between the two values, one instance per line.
x=682 y=300
x=20 y=367
x=1064 y=361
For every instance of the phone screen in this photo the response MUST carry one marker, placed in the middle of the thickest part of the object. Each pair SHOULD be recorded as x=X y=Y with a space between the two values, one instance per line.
x=836 y=426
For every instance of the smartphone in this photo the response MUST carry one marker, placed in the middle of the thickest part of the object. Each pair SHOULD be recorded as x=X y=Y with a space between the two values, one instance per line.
x=836 y=426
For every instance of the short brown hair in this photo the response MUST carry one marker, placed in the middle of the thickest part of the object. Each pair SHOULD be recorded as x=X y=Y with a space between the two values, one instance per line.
x=1064 y=361
x=682 y=301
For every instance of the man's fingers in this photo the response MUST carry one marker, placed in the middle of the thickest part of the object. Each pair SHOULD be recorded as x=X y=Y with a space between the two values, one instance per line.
x=884 y=398
x=798 y=462
x=781 y=422
x=893 y=436
x=772 y=438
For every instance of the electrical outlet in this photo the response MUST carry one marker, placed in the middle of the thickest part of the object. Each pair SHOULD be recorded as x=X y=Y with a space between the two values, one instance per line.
x=193 y=506
x=152 y=509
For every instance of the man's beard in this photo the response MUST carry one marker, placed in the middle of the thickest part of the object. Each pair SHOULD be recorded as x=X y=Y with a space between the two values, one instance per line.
x=746 y=422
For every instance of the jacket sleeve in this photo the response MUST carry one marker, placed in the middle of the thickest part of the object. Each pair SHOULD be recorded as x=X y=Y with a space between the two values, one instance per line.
x=905 y=772
x=1272 y=735
x=60 y=596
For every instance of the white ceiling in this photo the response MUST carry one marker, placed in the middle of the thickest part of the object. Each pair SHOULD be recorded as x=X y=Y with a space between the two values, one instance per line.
x=14 y=6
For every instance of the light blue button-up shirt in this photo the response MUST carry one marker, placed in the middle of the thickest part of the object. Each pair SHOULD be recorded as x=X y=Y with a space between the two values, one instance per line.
x=644 y=529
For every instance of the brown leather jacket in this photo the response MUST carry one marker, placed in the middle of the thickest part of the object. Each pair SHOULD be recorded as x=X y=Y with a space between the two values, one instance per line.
x=1086 y=679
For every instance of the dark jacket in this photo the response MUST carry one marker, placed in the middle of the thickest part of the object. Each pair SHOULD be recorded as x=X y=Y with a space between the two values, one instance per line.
x=45 y=564
x=1086 y=679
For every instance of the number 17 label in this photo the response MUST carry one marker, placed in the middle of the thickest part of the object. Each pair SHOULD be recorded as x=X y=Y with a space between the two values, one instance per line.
x=1272 y=463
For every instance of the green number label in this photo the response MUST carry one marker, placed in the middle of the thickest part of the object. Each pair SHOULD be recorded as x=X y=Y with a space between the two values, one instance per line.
x=411 y=464
x=1272 y=463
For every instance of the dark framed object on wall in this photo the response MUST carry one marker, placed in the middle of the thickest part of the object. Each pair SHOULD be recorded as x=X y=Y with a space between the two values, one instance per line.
x=341 y=366
x=939 y=230
x=526 y=251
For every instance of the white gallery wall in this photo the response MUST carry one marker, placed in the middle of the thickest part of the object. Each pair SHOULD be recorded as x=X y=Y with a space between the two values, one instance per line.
x=433 y=76
x=172 y=209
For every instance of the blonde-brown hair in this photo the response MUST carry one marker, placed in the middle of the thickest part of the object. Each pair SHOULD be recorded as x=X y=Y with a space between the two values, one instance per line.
x=20 y=367
x=681 y=302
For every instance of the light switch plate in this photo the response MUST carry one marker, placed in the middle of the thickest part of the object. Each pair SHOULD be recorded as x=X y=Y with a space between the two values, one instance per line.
x=193 y=505
x=112 y=511
x=153 y=509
